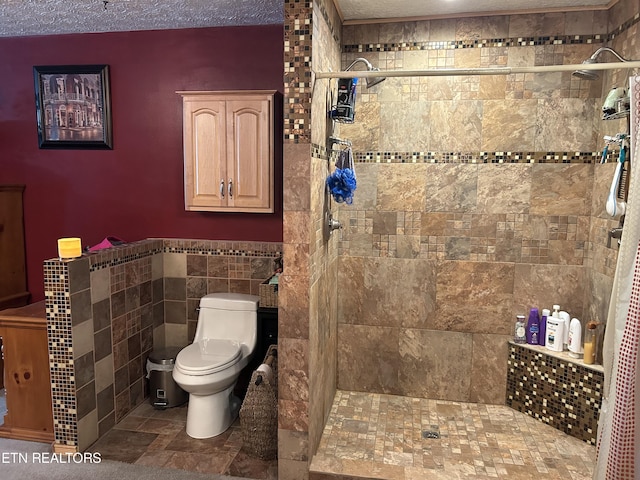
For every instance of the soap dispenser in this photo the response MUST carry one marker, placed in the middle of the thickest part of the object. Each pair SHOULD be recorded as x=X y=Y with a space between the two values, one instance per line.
x=575 y=338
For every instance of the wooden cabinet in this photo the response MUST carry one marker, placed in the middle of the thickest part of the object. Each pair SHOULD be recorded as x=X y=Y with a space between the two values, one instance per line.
x=26 y=374
x=13 y=271
x=228 y=151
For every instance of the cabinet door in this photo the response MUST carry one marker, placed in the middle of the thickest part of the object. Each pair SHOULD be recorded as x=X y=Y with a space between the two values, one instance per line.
x=249 y=154
x=204 y=153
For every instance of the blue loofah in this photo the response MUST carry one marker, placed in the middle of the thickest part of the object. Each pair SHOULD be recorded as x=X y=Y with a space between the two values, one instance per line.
x=342 y=184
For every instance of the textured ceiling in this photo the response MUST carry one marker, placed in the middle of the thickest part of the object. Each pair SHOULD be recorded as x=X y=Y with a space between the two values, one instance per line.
x=49 y=17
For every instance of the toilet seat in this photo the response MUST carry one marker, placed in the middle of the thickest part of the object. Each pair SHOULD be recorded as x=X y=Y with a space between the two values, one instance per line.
x=208 y=356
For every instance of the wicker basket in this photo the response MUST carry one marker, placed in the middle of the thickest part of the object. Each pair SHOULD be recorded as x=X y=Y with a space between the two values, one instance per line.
x=268 y=294
x=259 y=412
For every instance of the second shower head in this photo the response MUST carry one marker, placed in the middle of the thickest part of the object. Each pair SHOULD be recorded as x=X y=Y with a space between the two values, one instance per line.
x=593 y=74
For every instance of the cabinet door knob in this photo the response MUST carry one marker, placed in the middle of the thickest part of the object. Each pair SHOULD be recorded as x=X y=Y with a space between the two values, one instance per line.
x=230 y=188
x=222 y=188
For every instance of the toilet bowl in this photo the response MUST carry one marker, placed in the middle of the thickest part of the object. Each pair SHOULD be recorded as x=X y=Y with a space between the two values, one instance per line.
x=209 y=368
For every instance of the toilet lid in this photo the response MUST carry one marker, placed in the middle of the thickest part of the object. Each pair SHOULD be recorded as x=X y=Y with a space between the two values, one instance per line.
x=208 y=356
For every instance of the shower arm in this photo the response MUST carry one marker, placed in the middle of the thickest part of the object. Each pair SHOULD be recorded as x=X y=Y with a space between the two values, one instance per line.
x=444 y=72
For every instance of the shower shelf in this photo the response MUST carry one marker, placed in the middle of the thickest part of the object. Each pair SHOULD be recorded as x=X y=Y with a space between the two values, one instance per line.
x=617 y=115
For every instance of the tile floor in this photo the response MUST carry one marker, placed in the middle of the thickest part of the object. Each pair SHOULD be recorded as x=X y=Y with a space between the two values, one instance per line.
x=389 y=437
x=158 y=438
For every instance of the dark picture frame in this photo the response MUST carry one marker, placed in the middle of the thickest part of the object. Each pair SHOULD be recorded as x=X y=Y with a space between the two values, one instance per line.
x=73 y=106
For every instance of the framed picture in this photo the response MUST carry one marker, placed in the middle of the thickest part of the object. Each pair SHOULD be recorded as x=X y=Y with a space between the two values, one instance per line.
x=73 y=106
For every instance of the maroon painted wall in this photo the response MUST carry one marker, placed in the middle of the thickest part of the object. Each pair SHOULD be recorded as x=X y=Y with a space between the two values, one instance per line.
x=134 y=191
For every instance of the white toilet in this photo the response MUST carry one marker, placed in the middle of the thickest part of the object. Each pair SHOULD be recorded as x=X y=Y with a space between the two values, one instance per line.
x=208 y=369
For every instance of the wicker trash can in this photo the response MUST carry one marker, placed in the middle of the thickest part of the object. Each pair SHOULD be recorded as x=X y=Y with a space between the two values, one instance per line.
x=259 y=411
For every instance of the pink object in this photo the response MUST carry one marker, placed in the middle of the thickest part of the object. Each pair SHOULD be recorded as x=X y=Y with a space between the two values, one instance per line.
x=108 y=242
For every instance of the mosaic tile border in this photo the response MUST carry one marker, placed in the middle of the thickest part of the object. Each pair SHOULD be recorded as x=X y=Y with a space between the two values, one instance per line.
x=485 y=43
x=495 y=42
x=321 y=152
x=562 y=394
x=61 y=362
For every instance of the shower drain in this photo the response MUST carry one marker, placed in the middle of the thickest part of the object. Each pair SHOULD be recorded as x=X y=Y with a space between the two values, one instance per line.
x=430 y=434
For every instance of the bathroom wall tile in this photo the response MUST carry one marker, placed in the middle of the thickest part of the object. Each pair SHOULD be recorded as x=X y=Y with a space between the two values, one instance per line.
x=293 y=307
x=192 y=308
x=473 y=297
x=197 y=265
x=366 y=132
x=368 y=358
x=101 y=314
x=294 y=444
x=87 y=430
x=297 y=259
x=132 y=273
x=467 y=58
x=146 y=315
x=146 y=340
x=401 y=187
x=293 y=469
x=513 y=116
x=408 y=246
x=120 y=354
x=491 y=87
x=146 y=293
x=297 y=194
x=86 y=398
x=217 y=285
x=84 y=369
x=196 y=287
x=218 y=266
x=82 y=337
x=119 y=328
x=457 y=248
x=367 y=186
x=175 y=335
x=174 y=265
x=385 y=223
x=373 y=300
x=434 y=224
x=79 y=278
x=394 y=138
x=529 y=25
x=135 y=370
x=489 y=369
x=296 y=227
x=455 y=126
x=106 y=402
x=602 y=178
x=134 y=346
x=132 y=298
x=102 y=343
x=159 y=337
x=598 y=296
x=175 y=288
x=136 y=393
x=118 y=304
x=81 y=305
x=504 y=188
x=293 y=415
x=442 y=30
x=239 y=286
x=564 y=127
x=106 y=424
x=123 y=405
x=422 y=369
x=157 y=290
x=104 y=372
x=100 y=285
x=561 y=189
x=450 y=188
x=175 y=312
x=121 y=380
x=293 y=385
x=549 y=284
x=157 y=271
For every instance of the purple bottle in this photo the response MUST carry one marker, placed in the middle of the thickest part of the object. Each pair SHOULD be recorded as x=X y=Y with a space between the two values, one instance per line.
x=533 y=327
x=542 y=337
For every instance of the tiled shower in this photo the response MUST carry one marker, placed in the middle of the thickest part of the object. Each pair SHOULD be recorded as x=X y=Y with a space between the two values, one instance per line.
x=478 y=198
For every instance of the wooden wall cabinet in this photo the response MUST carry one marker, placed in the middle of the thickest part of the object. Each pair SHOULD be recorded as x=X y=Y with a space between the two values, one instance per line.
x=13 y=270
x=26 y=374
x=229 y=151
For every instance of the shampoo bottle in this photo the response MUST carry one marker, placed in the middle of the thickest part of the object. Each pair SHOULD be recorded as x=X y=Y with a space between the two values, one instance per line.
x=543 y=326
x=575 y=338
x=567 y=324
x=533 y=327
x=555 y=334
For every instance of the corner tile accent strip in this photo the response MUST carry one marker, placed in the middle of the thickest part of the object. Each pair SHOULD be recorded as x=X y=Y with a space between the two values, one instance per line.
x=562 y=394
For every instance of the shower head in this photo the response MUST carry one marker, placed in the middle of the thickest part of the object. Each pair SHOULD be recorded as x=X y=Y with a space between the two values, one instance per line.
x=371 y=81
x=592 y=74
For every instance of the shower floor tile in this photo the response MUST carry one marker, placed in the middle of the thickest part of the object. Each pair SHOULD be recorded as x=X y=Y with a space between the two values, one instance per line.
x=389 y=437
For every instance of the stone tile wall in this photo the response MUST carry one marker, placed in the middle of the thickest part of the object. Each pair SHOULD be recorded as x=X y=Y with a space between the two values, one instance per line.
x=111 y=308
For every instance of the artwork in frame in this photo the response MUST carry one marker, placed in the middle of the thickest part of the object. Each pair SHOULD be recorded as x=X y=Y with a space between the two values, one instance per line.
x=73 y=106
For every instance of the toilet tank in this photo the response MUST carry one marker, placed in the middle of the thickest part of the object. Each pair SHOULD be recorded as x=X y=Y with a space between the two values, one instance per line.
x=228 y=316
